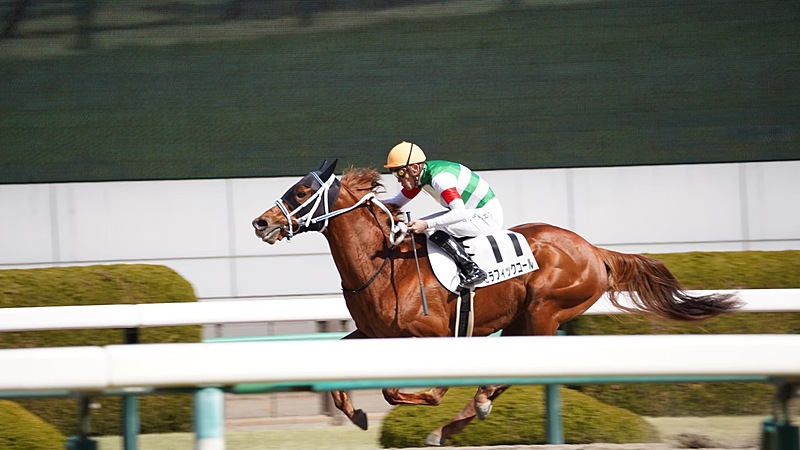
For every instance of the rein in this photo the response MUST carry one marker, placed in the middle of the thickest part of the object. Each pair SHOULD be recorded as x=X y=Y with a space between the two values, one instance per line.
x=394 y=238
x=395 y=228
x=397 y=231
x=372 y=278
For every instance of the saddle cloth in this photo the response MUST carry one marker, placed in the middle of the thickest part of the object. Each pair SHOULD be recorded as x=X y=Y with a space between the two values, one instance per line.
x=502 y=255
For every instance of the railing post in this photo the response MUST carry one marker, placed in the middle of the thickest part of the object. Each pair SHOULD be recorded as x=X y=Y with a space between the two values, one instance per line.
x=777 y=432
x=555 y=429
x=209 y=419
x=130 y=422
x=554 y=432
x=82 y=440
x=130 y=405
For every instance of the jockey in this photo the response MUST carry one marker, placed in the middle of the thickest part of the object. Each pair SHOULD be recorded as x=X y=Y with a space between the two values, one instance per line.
x=472 y=208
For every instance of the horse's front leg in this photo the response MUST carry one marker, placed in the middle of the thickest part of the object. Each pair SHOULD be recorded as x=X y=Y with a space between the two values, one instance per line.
x=432 y=397
x=342 y=401
x=483 y=400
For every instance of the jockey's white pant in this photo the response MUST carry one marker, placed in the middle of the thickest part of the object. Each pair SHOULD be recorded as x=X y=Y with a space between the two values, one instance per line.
x=481 y=221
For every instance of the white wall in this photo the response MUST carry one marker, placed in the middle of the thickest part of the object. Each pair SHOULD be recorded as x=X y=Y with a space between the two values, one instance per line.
x=201 y=228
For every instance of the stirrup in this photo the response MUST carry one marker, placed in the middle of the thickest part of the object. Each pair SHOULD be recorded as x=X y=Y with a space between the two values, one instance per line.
x=478 y=276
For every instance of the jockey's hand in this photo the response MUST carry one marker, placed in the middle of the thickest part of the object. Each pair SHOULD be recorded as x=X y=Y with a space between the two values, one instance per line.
x=418 y=226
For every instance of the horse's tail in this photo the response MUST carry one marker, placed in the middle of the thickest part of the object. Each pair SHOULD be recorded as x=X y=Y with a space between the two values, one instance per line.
x=653 y=289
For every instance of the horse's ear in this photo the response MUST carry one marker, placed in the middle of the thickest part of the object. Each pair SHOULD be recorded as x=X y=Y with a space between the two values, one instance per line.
x=327 y=171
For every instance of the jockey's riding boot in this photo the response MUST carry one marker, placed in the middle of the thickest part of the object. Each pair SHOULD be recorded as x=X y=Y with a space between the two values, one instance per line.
x=470 y=273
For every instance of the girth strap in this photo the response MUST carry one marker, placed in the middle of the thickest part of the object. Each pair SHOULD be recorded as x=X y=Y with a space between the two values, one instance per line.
x=465 y=315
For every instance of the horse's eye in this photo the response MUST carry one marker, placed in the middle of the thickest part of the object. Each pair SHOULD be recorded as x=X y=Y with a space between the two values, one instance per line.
x=301 y=194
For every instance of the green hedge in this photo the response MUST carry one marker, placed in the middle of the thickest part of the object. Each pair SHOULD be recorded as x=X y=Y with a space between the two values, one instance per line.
x=93 y=285
x=21 y=430
x=735 y=270
x=518 y=417
x=702 y=270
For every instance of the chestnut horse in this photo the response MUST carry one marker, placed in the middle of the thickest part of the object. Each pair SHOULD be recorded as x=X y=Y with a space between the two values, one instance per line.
x=381 y=284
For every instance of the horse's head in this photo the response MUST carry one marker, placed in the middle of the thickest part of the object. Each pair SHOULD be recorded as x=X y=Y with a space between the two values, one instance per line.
x=299 y=207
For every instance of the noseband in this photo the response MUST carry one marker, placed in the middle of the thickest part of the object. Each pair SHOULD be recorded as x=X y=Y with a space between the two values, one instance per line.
x=317 y=209
x=317 y=206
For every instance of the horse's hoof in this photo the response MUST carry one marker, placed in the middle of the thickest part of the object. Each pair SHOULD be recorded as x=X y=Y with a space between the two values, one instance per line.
x=360 y=419
x=482 y=411
x=434 y=440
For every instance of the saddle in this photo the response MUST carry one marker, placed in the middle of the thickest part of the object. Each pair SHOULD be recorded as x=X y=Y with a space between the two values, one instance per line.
x=503 y=255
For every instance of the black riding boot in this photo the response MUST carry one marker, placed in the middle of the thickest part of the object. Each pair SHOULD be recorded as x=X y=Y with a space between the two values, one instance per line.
x=470 y=274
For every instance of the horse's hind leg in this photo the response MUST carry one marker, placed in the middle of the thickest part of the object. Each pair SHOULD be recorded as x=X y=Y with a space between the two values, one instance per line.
x=483 y=399
x=485 y=394
x=464 y=417
x=432 y=397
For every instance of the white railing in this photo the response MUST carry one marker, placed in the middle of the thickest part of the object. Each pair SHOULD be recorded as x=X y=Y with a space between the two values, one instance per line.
x=173 y=314
x=197 y=364
x=273 y=310
x=132 y=369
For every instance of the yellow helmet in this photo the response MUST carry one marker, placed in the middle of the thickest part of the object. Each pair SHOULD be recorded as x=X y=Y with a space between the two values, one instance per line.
x=403 y=154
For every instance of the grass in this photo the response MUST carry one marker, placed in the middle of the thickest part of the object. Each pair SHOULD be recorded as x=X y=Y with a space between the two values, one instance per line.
x=730 y=432
x=330 y=438
x=546 y=85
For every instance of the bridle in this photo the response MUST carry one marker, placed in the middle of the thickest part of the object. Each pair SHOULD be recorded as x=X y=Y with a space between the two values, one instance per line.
x=319 y=213
x=321 y=198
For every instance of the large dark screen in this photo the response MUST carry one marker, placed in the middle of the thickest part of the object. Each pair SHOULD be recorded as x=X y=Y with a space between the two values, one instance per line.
x=130 y=90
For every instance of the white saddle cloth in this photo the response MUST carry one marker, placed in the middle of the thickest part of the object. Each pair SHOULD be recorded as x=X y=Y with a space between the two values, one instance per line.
x=503 y=255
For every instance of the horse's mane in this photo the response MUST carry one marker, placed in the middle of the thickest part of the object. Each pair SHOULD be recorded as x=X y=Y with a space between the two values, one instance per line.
x=360 y=179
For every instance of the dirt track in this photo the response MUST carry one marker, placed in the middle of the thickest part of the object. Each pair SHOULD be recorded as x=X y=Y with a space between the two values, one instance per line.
x=585 y=447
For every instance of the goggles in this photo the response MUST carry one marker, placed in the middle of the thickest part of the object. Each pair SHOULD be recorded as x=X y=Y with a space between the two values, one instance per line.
x=399 y=173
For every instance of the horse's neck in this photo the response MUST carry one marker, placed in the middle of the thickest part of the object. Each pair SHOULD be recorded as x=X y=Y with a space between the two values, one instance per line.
x=358 y=246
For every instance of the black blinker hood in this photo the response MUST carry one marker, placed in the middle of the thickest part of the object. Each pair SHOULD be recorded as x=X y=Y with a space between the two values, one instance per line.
x=324 y=173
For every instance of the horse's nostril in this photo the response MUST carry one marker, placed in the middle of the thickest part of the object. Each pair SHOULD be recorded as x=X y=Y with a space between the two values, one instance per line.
x=259 y=224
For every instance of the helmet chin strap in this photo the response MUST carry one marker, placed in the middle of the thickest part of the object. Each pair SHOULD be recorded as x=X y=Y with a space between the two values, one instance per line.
x=419 y=175
x=408 y=162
